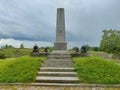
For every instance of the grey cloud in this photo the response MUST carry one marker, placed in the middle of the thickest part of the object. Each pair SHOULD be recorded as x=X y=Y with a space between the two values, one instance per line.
x=36 y=20
x=89 y=21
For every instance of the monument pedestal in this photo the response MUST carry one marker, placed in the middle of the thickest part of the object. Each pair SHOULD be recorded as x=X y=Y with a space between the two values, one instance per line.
x=60 y=46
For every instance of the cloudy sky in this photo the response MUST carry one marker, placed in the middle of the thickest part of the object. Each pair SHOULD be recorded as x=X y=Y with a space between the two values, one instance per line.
x=34 y=21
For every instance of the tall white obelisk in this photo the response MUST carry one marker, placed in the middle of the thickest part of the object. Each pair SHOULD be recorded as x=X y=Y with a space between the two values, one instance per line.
x=60 y=43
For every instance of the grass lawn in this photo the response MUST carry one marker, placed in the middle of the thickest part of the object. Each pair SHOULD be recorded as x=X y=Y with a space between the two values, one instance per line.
x=15 y=52
x=19 y=70
x=117 y=61
x=97 y=52
x=96 y=70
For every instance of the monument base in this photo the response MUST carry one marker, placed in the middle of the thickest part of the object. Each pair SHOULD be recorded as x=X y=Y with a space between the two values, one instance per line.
x=60 y=46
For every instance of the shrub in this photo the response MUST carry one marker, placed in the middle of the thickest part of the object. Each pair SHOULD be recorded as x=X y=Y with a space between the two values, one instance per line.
x=2 y=56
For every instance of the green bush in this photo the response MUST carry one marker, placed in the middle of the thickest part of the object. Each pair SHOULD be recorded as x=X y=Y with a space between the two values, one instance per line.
x=2 y=56
x=20 y=70
x=96 y=70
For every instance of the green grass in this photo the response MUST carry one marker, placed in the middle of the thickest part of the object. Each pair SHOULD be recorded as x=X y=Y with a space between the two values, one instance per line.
x=116 y=61
x=96 y=70
x=20 y=70
x=15 y=52
x=97 y=52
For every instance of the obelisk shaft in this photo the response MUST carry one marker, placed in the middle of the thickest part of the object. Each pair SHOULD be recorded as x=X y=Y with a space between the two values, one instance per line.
x=60 y=26
x=60 y=43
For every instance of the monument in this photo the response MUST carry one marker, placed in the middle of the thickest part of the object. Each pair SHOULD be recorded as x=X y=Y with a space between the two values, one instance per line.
x=53 y=70
x=60 y=43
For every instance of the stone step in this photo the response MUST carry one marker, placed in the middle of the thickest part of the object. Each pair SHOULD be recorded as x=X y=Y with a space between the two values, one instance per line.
x=50 y=61
x=58 y=60
x=54 y=62
x=58 y=65
x=59 y=57
x=58 y=74
x=57 y=69
x=43 y=79
x=60 y=52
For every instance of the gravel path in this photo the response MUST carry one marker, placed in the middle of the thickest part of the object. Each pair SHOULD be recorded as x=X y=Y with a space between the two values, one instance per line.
x=52 y=88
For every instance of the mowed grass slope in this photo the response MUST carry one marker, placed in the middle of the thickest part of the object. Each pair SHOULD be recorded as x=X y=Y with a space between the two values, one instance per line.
x=20 y=70
x=15 y=52
x=96 y=70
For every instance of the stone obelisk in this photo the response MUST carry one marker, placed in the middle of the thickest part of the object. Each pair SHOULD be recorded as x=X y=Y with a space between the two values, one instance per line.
x=60 y=43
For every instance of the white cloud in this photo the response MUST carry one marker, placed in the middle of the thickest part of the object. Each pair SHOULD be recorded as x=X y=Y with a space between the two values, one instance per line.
x=27 y=44
x=30 y=44
x=35 y=20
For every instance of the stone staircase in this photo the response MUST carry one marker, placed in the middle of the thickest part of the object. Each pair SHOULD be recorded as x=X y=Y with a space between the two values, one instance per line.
x=57 y=69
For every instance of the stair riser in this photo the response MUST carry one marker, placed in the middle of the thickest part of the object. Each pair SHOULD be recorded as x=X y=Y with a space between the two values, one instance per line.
x=58 y=75
x=59 y=58
x=60 y=54
x=56 y=70
x=58 y=61
x=57 y=65
x=57 y=81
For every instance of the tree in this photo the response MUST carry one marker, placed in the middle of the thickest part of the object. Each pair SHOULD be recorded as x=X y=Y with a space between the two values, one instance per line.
x=95 y=48
x=6 y=46
x=21 y=46
x=10 y=46
x=110 y=42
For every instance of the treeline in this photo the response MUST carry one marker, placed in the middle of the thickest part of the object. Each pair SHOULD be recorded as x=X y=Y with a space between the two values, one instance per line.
x=10 y=46
x=88 y=47
x=110 y=42
x=8 y=51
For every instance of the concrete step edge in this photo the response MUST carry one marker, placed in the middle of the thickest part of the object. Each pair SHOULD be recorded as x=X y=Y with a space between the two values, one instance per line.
x=58 y=63
x=59 y=60
x=56 y=79
x=58 y=74
x=57 y=69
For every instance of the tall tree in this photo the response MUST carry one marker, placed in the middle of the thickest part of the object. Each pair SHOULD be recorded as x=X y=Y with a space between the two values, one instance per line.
x=21 y=46
x=110 y=41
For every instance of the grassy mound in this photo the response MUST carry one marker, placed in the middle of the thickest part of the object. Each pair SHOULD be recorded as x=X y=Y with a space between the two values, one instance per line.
x=97 y=70
x=14 y=52
x=20 y=70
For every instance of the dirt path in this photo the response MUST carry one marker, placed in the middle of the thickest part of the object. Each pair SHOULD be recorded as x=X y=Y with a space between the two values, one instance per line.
x=54 y=88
